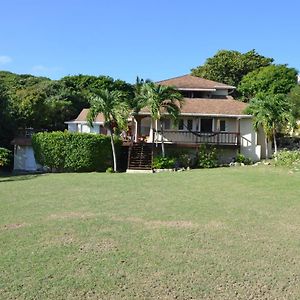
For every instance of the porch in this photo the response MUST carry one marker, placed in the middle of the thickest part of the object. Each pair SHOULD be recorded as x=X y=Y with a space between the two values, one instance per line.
x=188 y=131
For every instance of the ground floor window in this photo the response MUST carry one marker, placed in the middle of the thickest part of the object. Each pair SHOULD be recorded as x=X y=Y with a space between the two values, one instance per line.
x=222 y=125
x=190 y=124
x=180 y=124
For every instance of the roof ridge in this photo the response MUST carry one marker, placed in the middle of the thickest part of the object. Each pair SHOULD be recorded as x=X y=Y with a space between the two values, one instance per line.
x=173 y=78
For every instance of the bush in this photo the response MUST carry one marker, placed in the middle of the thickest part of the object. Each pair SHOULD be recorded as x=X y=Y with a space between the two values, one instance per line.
x=240 y=158
x=73 y=152
x=207 y=157
x=287 y=158
x=160 y=162
x=5 y=157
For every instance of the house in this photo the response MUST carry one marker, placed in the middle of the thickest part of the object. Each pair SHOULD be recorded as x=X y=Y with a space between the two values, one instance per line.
x=209 y=116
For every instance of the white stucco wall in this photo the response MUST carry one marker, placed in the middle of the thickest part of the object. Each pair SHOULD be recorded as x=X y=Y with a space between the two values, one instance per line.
x=72 y=127
x=24 y=158
x=249 y=146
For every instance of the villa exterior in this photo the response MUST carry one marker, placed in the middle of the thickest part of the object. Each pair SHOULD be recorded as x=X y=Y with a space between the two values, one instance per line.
x=209 y=115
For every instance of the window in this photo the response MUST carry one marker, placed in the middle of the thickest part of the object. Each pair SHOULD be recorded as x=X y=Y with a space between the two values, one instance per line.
x=222 y=125
x=167 y=123
x=206 y=125
x=180 y=124
x=190 y=124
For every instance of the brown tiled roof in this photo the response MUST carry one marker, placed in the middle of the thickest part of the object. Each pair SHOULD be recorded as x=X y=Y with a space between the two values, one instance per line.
x=82 y=117
x=203 y=106
x=193 y=82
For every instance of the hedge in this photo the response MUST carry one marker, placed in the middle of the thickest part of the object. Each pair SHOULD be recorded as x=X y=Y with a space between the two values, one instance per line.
x=5 y=156
x=73 y=152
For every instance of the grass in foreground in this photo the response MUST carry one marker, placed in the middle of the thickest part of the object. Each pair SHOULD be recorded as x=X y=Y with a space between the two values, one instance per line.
x=205 y=234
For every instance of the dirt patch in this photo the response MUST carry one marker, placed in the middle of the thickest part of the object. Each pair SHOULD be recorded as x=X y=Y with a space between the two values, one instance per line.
x=171 y=224
x=15 y=225
x=99 y=246
x=157 y=223
x=71 y=215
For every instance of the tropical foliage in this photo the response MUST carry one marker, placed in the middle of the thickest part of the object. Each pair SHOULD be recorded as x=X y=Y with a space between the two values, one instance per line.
x=115 y=111
x=162 y=101
x=270 y=112
x=5 y=156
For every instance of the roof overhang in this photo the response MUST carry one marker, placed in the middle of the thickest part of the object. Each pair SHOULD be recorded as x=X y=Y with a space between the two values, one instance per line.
x=196 y=89
x=82 y=122
x=205 y=115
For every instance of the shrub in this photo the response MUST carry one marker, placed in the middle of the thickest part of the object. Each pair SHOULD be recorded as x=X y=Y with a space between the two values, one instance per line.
x=5 y=157
x=240 y=158
x=160 y=162
x=207 y=157
x=73 y=152
x=287 y=158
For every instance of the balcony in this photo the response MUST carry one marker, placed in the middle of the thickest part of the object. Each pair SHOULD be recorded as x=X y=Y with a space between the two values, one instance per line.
x=197 y=137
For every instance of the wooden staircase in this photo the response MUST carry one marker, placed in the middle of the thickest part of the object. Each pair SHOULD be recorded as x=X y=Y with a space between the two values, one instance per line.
x=140 y=156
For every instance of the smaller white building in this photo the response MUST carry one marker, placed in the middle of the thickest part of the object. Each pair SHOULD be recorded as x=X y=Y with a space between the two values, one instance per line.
x=24 y=159
x=80 y=124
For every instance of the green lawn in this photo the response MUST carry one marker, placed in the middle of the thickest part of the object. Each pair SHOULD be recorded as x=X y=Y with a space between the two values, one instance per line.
x=231 y=233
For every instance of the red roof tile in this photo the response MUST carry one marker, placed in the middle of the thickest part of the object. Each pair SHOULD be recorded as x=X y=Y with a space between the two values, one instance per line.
x=82 y=117
x=194 y=82
x=203 y=106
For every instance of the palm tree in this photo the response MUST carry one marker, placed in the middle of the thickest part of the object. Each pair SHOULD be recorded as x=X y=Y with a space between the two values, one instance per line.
x=115 y=111
x=270 y=112
x=162 y=100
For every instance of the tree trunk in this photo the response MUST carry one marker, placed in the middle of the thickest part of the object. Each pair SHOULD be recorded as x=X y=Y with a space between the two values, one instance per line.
x=113 y=150
x=267 y=147
x=275 y=143
x=162 y=139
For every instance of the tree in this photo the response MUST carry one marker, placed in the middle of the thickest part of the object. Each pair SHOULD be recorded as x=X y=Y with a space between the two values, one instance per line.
x=271 y=112
x=115 y=110
x=272 y=80
x=162 y=100
x=229 y=66
x=294 y=99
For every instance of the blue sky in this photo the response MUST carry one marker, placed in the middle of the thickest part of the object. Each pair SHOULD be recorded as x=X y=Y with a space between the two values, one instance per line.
x=155 y=39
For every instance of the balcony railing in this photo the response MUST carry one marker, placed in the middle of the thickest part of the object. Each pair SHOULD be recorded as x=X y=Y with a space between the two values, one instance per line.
x=197 y=137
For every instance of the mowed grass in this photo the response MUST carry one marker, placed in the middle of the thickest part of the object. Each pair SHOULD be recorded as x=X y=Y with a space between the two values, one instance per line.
x=231 y=233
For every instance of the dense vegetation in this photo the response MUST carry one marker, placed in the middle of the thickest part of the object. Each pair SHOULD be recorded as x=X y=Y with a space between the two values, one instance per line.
x=41 y=103
x=73 y=152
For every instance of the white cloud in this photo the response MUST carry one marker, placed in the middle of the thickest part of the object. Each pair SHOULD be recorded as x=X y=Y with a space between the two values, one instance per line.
x=4 y=59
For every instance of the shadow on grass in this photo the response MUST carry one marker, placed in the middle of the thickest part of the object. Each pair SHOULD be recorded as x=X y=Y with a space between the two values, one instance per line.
x=19 y=177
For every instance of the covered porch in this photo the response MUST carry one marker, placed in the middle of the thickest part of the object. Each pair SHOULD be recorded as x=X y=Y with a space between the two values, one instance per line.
x=188 y=130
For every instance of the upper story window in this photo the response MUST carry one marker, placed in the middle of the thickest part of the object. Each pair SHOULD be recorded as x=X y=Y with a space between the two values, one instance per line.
x=196 y=94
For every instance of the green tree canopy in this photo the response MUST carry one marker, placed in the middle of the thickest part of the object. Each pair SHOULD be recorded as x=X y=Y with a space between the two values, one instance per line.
x=274 y=79
x=294 y=99
x=230 y=66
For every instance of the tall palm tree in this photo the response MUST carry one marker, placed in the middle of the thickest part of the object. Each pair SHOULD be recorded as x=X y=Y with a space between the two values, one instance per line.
x=161 y=101
x=115 y=111
x=270 y=112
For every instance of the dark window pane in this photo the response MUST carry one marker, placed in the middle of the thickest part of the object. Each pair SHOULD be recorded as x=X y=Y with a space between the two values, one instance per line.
x=167 y=123
x=206 y=125
x=222 y=125
x=180 y=124
x=190 y=124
